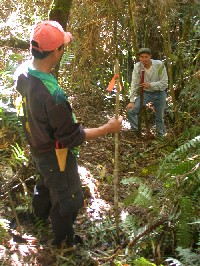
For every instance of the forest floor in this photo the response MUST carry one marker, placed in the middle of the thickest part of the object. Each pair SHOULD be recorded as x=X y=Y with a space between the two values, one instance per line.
x=95 y=223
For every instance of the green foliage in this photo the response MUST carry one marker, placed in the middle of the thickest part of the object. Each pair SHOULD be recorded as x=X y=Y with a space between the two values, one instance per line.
x=181 y=168
x=197 y=223
x=11 y=60
x=10 y=121
x=18 y=156
x=180 y=174
x=130 y=224
x=183 y=150
x=67 y=58
x=141 y=196
x=144 y=197
x=41 y=228
x=129 y=200
x=143 y=262
x=187 y=134
x=188 y=257
x=4 y=226
x=21 y=208
x=183 y=228
x=178 y=195
x=131 y=180
x=103 y=231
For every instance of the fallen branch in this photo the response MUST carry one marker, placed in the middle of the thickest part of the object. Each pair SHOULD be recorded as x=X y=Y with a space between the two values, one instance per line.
x=133 y=242
x=147 y=231
x=15 y=213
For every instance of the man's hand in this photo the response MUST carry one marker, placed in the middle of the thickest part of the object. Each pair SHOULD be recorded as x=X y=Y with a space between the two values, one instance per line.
x=114 y=125
x=130 y=106
x=145 y=85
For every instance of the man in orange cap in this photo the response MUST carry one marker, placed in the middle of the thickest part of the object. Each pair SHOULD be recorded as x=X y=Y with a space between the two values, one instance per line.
x=49 y=123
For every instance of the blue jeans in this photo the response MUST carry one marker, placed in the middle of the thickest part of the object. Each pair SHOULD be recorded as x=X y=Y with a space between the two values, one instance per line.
x=158 y=99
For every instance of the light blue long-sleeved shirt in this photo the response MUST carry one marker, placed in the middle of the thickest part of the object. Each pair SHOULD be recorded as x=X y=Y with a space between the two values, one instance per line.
x=156 y=75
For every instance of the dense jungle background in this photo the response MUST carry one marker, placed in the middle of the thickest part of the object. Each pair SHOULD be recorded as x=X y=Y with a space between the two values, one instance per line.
x=153 y=216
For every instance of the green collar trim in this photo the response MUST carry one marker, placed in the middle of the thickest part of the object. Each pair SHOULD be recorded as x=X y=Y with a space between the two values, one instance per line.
x=42 y=75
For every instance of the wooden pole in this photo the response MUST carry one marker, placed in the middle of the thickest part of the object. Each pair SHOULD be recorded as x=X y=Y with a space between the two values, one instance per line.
x=164 y=23
x=15 y=213
x=116 y=166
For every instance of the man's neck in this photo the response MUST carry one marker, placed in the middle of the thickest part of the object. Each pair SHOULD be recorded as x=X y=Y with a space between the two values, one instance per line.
x=41 y=65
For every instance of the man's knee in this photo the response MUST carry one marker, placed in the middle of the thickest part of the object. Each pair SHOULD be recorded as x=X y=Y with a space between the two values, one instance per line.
x=41 y=202
x=71 y=204
x=41 y=207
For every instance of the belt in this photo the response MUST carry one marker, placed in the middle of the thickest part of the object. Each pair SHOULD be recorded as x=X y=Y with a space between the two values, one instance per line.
x=153 y=91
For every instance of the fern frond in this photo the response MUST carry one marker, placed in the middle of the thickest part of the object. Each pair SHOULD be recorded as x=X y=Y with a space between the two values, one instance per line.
x=144 y=197
x=188 y=257
x=184 y=230
x=129 y=200
x=18 y=156
x=183 y=149
x=131 y=180
x=22 y=208
x=181 y=168
x=130 y=224
x=141 y=196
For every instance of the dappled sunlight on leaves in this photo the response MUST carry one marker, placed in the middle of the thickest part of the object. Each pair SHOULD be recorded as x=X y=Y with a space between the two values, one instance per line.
x=20 y=250
x=96 y=206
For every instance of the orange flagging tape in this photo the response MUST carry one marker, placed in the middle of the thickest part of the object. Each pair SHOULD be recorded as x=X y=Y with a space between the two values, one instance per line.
x=112 y=83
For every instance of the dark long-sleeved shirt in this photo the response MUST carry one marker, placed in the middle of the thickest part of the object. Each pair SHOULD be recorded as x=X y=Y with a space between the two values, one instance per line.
x=47 y=116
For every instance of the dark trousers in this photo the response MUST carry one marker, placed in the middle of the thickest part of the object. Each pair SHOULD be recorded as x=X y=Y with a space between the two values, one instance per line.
x=58 y=194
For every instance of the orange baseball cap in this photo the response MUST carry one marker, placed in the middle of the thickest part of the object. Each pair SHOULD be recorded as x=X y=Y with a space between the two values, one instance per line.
x=49 y=35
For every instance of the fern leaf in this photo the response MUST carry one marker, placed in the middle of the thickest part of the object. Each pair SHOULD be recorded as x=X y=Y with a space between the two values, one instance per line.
x=184 y=231
x=188 y=257
x=130 y=225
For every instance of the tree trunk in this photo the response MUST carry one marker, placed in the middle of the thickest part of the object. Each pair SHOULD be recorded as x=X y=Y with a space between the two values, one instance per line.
x=133 y=28
x=60 y=12
x=163 y=10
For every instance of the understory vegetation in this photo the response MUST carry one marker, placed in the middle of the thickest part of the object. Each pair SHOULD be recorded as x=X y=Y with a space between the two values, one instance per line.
x=159 y=180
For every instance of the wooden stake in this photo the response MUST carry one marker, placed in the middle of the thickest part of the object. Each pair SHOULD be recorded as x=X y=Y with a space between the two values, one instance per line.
x=14 y=212
x=116 y=167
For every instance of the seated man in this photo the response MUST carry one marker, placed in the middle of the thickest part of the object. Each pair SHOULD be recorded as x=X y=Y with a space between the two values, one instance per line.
x=154 y=86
